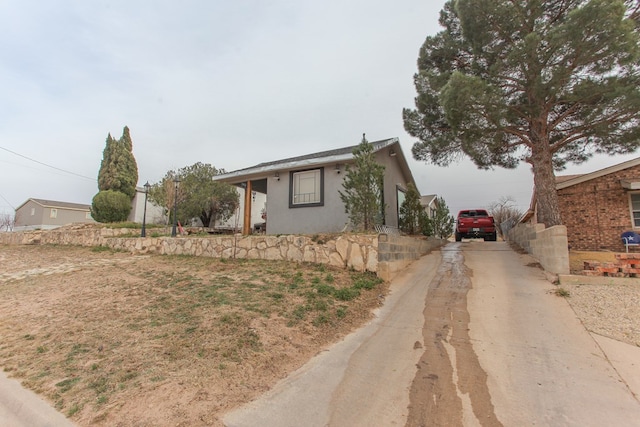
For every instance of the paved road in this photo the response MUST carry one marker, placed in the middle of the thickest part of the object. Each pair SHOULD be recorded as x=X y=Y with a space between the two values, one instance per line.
x=470 y=335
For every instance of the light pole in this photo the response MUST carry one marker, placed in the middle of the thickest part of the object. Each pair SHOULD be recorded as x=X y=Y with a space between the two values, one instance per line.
x=176 y=182
x=144 y=214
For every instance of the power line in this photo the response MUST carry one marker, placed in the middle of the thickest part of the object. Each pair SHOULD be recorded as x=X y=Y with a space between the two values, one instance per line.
x=9 y=203
x=44 y=164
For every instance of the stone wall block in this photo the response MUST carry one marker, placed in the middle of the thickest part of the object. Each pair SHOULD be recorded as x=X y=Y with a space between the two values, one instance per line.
x=356 y=258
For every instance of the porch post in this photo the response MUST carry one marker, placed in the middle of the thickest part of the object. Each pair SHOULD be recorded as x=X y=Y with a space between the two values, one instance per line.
x=246 y=225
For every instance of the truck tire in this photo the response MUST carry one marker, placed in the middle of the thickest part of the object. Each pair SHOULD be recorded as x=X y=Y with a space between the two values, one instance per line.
x=458 y=237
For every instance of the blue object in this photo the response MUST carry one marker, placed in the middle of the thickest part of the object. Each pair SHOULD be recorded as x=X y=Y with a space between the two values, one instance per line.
x=630 y=238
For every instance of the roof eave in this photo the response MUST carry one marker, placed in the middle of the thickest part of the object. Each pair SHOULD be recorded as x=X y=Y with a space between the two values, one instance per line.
x=599 y=173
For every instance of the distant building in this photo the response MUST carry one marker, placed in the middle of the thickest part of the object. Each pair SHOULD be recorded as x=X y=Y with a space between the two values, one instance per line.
x=430 y=205
x=42 y=214
x=155 y=214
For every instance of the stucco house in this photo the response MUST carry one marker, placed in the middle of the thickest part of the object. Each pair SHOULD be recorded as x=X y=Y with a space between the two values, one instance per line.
x=598 y=207
x=302 y=192
x=48 y=214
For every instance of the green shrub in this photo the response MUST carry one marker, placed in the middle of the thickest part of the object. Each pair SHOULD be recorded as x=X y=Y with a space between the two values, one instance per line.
x=346 y=294
x=110 y=206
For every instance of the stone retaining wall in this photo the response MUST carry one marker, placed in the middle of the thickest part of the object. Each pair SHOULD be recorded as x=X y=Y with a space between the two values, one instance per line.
x=548 y=245
x=383 y=254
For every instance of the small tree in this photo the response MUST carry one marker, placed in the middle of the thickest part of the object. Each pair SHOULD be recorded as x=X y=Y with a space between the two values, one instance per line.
x=363 y=183
x=504 y=213
x=412 y=213
x=164 y=194
x=443 y=221
x=199 y=196
x=205 y=198
x=7 y=221
x=110 y=206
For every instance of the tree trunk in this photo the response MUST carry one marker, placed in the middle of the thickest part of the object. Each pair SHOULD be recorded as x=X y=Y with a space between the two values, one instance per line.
x=545 y=186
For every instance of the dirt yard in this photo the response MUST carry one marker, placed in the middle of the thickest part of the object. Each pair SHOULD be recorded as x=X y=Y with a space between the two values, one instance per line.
x=112 y=339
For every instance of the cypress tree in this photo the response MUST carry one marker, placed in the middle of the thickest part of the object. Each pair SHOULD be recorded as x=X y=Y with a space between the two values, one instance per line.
x=118 y=170
x=118 y=174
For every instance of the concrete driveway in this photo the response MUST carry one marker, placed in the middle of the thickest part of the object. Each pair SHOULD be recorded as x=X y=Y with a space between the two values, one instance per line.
x=20 y=407
x=470 y=335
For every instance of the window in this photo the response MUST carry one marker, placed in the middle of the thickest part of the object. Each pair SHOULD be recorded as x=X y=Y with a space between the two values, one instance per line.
x=401 y=197
x=33 y=211
x=635 y=209
x=307 y=188
x=87 y=215
x=54 y=213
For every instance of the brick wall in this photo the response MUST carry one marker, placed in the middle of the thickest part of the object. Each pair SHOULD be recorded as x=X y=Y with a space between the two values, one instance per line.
x=597 y=212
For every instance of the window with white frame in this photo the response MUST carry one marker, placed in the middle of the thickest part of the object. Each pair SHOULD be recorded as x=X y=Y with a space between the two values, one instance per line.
x=33 y=211
x=635 y=209
x=54 y=213
x=307 y=188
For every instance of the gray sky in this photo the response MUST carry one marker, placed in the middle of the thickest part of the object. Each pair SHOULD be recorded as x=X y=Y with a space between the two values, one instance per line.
x=232 y=84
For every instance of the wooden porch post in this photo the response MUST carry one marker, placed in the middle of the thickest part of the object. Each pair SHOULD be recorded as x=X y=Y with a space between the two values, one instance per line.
x=246 y=225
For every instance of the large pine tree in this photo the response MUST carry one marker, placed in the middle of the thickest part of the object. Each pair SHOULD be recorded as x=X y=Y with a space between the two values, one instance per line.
x=545 y=82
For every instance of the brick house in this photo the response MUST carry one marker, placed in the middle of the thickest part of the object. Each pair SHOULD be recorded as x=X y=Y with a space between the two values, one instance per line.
x=598 y=207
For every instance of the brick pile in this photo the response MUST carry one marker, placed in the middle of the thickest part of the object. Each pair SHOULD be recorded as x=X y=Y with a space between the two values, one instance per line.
x=625 y=265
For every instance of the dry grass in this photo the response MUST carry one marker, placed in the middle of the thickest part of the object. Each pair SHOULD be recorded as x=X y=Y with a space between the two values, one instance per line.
x=115 y=339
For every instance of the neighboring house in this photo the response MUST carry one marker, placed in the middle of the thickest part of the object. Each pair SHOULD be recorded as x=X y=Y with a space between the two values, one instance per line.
x=302 y=192
x=598 y=207
x=48 y=214
x=155 y=214
x=430 y=204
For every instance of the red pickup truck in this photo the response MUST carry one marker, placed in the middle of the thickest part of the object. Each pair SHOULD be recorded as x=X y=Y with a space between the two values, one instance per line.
x=475 y=223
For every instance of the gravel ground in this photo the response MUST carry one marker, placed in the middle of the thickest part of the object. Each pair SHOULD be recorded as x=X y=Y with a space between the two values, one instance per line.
x=609 y=310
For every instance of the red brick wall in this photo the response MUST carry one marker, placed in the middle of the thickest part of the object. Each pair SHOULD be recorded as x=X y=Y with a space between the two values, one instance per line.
x=597 y=212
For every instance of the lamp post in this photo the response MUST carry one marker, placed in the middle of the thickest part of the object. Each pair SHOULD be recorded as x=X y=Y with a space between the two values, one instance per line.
x=144 y=212
x=176 y=182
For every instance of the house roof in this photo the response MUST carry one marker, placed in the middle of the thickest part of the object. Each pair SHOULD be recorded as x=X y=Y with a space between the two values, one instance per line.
x=55 y=204
x=565 y=181
x=570 y=180
x=428 y=199
x=339 y=155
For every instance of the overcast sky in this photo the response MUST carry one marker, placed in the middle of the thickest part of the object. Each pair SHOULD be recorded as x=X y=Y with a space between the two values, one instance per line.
x=230 y=83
